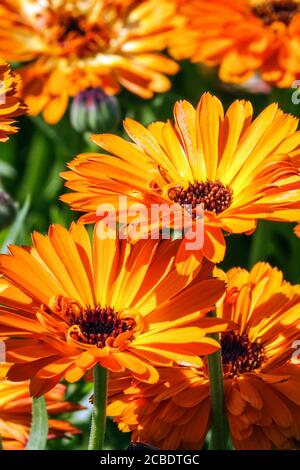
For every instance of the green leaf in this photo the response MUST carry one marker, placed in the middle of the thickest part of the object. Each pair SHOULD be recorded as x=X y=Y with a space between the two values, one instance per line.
x=51 y=132
x=7 y=170
x=39 y=426
x=38 y=162
x=275 y=243
x=60 y=216
x=17 y=227
x=54 y=182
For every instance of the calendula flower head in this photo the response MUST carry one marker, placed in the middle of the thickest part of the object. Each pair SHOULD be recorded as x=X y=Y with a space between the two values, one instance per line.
x=236 y=169
x=69 y=304
x=296 y=162
x=70 y=46
x=242 y=37
x=297 y=230
x=11 y=106
x=16 y=414
x=261 y=372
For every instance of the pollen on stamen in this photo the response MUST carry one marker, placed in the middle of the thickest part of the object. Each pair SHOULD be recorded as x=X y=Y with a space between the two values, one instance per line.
x=212 y=195
x=239 y=354
x=277 y=10
x=98 y=324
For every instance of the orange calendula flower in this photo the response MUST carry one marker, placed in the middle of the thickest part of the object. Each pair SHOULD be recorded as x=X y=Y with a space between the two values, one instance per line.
x=296 y=162
x=297 y=230
x=69 y=304
x=11 y=106
x=261 y=375
x=16 y=414
x=242 y=37
x=238 y=169
x=73 y=45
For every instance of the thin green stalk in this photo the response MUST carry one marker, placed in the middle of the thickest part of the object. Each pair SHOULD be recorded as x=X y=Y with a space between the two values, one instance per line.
x=38 y=162
x=51 y=132
x=1 y=444
x=258 y=244
x=98 y=427
x=39 y=426
x=219 y=431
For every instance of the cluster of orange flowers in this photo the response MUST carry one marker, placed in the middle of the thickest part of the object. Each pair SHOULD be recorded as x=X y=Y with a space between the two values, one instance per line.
x=242 y=37
x=69 y=46
x=140 y=308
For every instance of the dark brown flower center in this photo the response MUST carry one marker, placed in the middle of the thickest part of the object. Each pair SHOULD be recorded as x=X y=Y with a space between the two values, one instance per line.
x=73 y=33
x=239 y=354
x=278 y=10
x=98 y=324
x=70 y=25
x=212 y=195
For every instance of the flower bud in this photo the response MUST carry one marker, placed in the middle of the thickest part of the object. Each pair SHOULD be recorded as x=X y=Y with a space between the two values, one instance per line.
x=94 y=111
x=8 y=210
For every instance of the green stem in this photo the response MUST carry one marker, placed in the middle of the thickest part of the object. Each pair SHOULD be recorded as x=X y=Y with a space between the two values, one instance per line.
x=258 y=244
x=219 y=431
x=97 y=434
x=39 y=427
x=1 y=443
x=51 y=132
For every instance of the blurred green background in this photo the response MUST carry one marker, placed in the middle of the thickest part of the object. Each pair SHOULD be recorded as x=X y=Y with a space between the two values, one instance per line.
x=31 y=161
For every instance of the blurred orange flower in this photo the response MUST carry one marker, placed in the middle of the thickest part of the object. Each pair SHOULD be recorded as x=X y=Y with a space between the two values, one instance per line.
x=11 y=105
x=237 y=168
x=242 y=37
x=297 y=230
x=74 y=45
x=68 y=304
x=261 y=382
x=15 y=414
